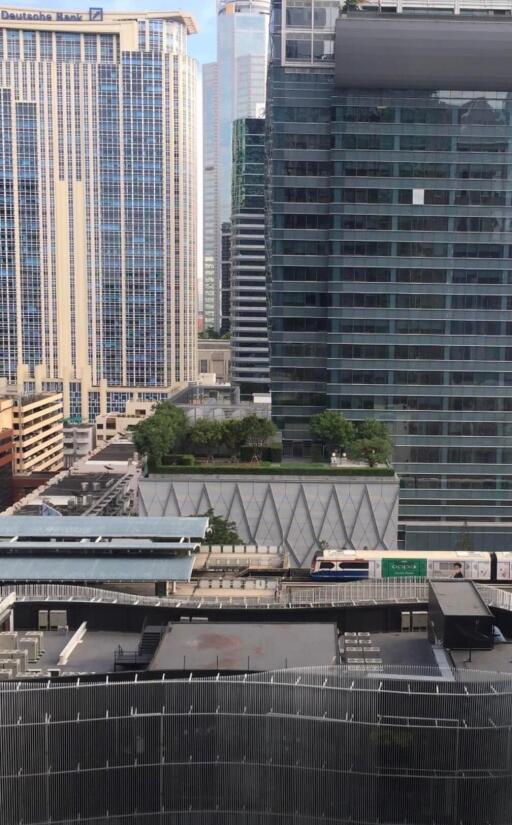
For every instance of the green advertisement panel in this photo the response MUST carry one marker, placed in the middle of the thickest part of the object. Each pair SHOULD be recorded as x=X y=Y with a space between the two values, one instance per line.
x=394 y=568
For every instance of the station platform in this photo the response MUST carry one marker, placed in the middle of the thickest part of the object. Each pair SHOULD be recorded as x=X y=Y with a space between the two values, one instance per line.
x=246 y=557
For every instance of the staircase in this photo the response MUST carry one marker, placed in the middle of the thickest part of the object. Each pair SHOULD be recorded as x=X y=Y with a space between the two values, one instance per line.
x=150 y=640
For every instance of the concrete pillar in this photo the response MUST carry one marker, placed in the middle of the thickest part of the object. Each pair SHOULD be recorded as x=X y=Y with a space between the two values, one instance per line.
x=103 y=396
x=84 y=374
x=39 y=373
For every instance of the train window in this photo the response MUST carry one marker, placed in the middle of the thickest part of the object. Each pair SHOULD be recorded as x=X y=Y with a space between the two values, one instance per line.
x=353 y=565
x=327 y=565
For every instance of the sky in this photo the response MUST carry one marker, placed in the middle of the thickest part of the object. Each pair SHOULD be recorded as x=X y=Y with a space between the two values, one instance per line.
x=202 y=46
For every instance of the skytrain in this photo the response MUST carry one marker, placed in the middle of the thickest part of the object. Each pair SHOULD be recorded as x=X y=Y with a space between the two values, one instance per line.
x=352 y=565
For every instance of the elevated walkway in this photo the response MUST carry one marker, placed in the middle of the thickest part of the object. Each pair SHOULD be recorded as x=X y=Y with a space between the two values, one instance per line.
x=355 y=594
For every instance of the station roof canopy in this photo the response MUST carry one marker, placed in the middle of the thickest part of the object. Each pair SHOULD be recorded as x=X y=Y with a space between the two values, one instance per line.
x=56 y=569
x=94 y=528
x=104 y=547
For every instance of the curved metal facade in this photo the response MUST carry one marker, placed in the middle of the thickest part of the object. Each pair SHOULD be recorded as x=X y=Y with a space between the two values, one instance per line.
x=304 y=746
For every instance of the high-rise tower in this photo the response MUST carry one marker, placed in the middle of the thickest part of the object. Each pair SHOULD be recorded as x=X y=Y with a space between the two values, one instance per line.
x=249 y=324
x=98 y=205
x=233 y=87
x=390 y=244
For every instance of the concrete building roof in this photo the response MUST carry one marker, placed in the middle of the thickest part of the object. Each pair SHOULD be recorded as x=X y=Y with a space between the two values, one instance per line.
x=248 y=646
x=116 y=451
x=81 y=484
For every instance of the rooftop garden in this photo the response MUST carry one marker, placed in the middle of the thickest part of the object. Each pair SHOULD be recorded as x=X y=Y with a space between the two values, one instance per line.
x=248 y=445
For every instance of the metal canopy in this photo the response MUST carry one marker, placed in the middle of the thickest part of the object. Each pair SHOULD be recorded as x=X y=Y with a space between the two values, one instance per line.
x=113 y=547
x=55 y=569
x=48 y=527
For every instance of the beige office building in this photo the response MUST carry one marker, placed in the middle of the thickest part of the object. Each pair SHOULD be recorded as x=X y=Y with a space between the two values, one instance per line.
x=98 y=206
x=36 y=425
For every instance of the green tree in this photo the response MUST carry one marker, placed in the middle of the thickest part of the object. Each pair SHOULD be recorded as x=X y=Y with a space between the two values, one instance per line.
x=210 y=333
x=232 y=435
x=372 y=429
x=153 y=439
x=256 y=431
x=206 y=435
x=350 y=5
x=222 y=531
x=373 y=450
x=172 y=413
x=160 y=433
x=332 y=429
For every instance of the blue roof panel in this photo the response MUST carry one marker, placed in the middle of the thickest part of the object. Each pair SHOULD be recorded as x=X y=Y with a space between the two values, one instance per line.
x=54 y=569
x=109 y=526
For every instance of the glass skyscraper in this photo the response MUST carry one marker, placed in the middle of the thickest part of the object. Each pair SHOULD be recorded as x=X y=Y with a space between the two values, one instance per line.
x=391 y=248
x=98 y=205
x=249 y=322
x=233 y=87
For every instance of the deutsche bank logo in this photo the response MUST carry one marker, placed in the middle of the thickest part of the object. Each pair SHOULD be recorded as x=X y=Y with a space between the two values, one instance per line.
x=95 y=14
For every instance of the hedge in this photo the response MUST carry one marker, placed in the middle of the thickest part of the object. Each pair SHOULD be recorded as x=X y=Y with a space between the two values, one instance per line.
x=292 y=470
x=182 y=459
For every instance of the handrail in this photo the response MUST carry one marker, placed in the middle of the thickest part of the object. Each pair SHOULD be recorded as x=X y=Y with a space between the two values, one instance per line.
x=349 y=594
x=76 y=638
x=7 y=600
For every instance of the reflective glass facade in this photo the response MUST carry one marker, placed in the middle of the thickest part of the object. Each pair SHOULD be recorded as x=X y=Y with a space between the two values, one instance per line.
x=249 y=322
x=236 y=87
x=98 y=204
x=391 y=250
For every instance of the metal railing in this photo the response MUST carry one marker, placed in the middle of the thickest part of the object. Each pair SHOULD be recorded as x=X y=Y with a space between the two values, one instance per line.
x=352 y=593
x=493 y=596
x=349 y=594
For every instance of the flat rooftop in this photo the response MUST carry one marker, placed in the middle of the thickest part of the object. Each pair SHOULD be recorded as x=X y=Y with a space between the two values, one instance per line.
x=248 y=646
x=82 y=484
x=94 y=654
x=497 y=660
x=117 y=451
x=410 y=649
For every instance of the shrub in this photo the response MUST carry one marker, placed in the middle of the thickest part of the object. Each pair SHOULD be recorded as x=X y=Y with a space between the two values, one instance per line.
x=265 y=469
x=180 y=459
x=274 y=454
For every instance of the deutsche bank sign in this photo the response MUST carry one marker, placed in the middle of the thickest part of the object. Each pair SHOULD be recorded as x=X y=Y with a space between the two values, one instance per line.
x=95 y=15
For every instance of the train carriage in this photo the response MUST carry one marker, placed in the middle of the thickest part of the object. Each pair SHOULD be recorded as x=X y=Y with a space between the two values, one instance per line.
x=351 y=565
